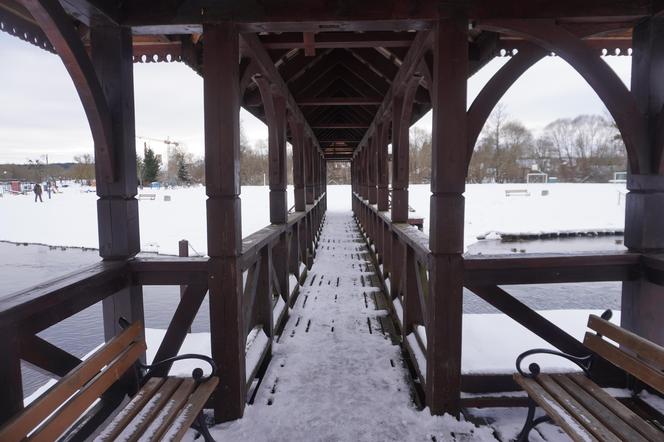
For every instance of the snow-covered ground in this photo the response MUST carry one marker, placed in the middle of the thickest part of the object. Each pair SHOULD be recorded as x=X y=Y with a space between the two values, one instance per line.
x=69 y=219
x=565 y=207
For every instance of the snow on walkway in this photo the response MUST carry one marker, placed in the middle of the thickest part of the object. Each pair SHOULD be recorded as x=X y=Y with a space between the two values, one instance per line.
x=334 y=375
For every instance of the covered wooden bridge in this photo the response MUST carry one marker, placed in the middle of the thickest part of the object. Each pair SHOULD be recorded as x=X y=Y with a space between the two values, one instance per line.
x=340 y=81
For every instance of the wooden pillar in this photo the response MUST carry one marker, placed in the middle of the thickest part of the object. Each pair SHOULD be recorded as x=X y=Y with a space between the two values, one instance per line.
x=382 y=197
x=224 y=229
x=642 y=306
x=309 y=171
x=117 y=207
x=298 y=166
x=399 y=163
x=371 y=169
x=277 y=162
x=448 y=173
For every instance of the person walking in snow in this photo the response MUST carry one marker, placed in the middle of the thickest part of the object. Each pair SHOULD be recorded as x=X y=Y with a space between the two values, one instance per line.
x=38 y=192
x=48 y=189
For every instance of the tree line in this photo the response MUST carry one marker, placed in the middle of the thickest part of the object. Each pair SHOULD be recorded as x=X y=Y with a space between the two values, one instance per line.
x=586 y=148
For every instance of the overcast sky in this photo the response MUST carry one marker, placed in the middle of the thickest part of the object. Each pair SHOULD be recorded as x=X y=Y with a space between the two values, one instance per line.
x=40 y=113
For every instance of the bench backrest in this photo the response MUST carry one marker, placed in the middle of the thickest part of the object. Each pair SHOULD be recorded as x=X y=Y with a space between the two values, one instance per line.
x=628 y=351
x=62 y=405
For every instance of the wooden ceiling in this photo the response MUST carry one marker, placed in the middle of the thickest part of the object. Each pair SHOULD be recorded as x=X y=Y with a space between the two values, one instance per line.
x=337 y=70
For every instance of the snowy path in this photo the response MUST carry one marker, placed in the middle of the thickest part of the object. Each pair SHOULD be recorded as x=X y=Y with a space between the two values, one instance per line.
x=335 y=375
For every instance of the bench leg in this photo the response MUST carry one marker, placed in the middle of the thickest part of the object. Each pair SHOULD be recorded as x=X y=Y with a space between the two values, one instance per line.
x=201 y=426
x=531 y=422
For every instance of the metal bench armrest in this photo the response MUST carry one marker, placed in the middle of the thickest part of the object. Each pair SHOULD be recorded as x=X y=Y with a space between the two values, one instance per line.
x=583 y=362
x=197 y=373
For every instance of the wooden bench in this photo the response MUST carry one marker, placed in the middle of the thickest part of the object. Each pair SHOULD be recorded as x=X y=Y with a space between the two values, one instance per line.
x=517 y=192
x=147 y=196
x=162 y=409
x=581 y=407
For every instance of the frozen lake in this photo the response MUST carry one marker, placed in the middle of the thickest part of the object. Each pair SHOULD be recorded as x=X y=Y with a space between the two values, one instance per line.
x=69 y=219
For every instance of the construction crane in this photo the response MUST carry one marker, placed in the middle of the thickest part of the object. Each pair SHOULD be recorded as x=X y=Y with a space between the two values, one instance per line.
x=166 y=141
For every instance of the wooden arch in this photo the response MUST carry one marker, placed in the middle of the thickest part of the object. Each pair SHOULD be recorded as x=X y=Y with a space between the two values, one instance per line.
x=58 y=27
x=608 y=86
x=494 y=90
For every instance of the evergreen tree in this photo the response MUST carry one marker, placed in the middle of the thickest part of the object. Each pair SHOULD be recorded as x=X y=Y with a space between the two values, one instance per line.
x=151 y=166
x=183 y=175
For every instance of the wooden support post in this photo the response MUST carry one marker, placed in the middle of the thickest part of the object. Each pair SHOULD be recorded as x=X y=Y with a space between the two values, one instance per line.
x=11 y=387
x=642 y=307
x=309 y=171
x=371 y=169
x=221 y=96
x=277 y=162
x=382 y=197
x=298 y=166
x=183 y=252
x=399 y=163
x=448 y=173
x=117 y=207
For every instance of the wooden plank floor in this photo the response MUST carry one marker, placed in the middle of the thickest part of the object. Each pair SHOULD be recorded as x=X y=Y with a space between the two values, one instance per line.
x=336 y=374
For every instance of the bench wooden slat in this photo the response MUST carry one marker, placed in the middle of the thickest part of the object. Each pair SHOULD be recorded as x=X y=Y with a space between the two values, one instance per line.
x=161 y=423
x=631 y=341
x=136 y=428
x=559 y=415
x=616 y=407
x=605 y=415
x=130 y=411
x=86 y=396
x=625 y=361
x=582 y=415
x=190 y=411
x=18 y=428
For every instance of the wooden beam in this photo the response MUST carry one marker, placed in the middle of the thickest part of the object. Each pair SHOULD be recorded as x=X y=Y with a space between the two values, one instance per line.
x=339 y=101
x=37 y=308
x=340 y=126
x=46 y=357
x=530 y=319
x=253 y=44
x=550 y=268
x=411 y=63
x=344 y=40
x=319 y=15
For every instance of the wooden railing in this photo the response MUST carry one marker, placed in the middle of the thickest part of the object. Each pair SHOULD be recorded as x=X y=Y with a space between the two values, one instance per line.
x=274 y=262
x=403 y=262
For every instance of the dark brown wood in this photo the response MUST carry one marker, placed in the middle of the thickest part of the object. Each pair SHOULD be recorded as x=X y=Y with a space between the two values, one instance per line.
x=10 y=370
x=299 y=169
x=493 y=91
x=37 y=308
x=542 y=269
x=530 y=319
x=190 y=303
x=222 y=166
x=46 y=357
x=382 y=165
x=448 y=97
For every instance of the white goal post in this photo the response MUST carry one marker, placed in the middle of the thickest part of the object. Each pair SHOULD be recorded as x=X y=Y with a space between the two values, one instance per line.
x=537 y=177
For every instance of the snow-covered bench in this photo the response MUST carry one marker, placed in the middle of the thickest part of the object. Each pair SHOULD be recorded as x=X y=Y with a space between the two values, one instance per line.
x=517 y=192
x=584 y=410
x=164 y=407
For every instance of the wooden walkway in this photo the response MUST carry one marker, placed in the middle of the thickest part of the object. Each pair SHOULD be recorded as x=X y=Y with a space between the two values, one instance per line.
x=336 y=374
